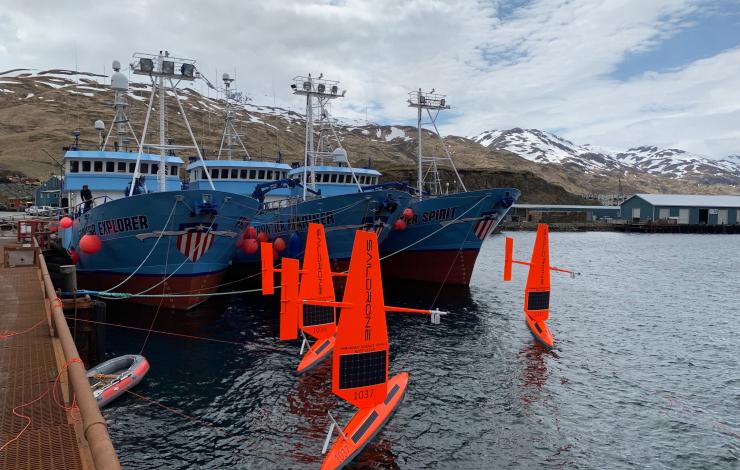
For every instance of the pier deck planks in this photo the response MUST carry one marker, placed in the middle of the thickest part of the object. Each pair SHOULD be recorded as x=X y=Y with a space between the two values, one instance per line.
x=29 y=363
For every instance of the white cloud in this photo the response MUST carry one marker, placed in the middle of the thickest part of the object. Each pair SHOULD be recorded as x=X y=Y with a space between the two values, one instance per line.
x=547 y=65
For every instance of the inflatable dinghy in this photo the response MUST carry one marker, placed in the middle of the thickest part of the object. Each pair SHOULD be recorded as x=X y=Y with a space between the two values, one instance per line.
x=112 y=378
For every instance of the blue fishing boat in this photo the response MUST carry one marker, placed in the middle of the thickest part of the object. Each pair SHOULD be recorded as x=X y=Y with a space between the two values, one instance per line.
x=289 y=195
x=438 y=240
x=135 y=229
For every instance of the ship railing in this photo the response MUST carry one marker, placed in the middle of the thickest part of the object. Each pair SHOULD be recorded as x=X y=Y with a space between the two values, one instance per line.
x=281 y=203
x=94 y=427
x=79 y=209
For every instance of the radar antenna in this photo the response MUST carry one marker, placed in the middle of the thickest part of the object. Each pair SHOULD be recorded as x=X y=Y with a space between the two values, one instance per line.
x=121 y=123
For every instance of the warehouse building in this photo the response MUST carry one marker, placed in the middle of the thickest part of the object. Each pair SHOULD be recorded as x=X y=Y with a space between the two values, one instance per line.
x=544 y=213
x=682 y=209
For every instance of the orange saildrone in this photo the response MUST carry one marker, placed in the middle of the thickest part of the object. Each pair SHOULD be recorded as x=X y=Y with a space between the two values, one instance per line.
x=537 y=291
x=360 y=357
x=309 y=306
x=316 y=283
x=359 y=342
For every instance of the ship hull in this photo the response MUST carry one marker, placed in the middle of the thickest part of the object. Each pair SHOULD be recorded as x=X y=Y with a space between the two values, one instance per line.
x=440 y=243
x=173 y=242
x=341 y=216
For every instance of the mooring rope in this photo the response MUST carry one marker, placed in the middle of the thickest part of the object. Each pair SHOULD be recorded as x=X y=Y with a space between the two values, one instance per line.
x=435 y=232
x=156 y=242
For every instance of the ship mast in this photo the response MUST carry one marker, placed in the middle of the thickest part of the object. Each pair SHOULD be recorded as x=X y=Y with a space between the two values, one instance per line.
x=319 y=92
x=427 y=166
x=230 y=135
x=161 y=70
x=119 y=84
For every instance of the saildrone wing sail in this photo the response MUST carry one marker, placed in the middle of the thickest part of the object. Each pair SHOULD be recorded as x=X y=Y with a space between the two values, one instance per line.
x=360 y=368
x=537 y=291
x=317 y=284
x=289 y=300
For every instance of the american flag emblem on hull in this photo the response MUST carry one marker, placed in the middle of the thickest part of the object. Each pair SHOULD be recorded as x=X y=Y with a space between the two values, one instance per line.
x=195 y=242
x=485 y=225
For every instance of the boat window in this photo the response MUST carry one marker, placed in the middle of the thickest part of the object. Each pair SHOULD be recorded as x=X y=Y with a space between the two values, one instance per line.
x=85 y=165
x=131 y=167
x=334 y=177
x=214 y=172
x=261 y=175
x=74 y=166
x=173 y=169
x=234 y=173
x=121 y=167
x=224 y=173
x=243 y=174
x=98 y=166
x=269 y=175
x=154 y=168
x=252 y=174
x=110 y=167
x=143 y=168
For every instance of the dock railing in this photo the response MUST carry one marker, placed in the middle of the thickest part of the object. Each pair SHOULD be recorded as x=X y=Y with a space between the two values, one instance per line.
x=95 y=429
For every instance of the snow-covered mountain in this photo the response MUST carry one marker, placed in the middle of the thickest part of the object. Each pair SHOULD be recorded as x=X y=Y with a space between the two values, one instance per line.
x=547 y=148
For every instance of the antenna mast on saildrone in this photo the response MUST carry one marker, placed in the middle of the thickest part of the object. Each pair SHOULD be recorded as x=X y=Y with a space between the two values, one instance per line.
x=163 y=70
x=428 y=171
x=319 y=128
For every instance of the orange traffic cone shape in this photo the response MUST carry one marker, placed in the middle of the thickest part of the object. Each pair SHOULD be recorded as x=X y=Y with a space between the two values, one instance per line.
x=537 y=290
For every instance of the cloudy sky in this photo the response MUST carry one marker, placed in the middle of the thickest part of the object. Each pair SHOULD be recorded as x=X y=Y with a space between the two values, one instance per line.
x=615 y=73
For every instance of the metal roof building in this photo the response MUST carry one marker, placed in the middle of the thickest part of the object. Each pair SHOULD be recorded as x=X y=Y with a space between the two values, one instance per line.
x=686 y=209
x=554 y=212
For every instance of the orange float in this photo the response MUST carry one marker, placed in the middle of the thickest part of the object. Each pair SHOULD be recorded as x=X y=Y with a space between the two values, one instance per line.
x=90 y=244
x=537 y=290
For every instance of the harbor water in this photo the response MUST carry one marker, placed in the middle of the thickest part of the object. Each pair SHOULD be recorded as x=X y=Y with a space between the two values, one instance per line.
x=644 y=372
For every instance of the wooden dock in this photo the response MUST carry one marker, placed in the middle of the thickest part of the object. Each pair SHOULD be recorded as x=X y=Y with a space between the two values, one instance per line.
x=40 y=370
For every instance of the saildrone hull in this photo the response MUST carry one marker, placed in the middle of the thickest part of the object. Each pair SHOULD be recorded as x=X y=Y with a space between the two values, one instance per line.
x=365 y=425
x=317 y=354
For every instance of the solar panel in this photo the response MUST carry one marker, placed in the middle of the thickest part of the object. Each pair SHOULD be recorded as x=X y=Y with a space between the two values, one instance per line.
x=362 y=370
x=538 y=300
x=317 y=315
x=363 y=429
x=323 y=346
x=391 y=394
